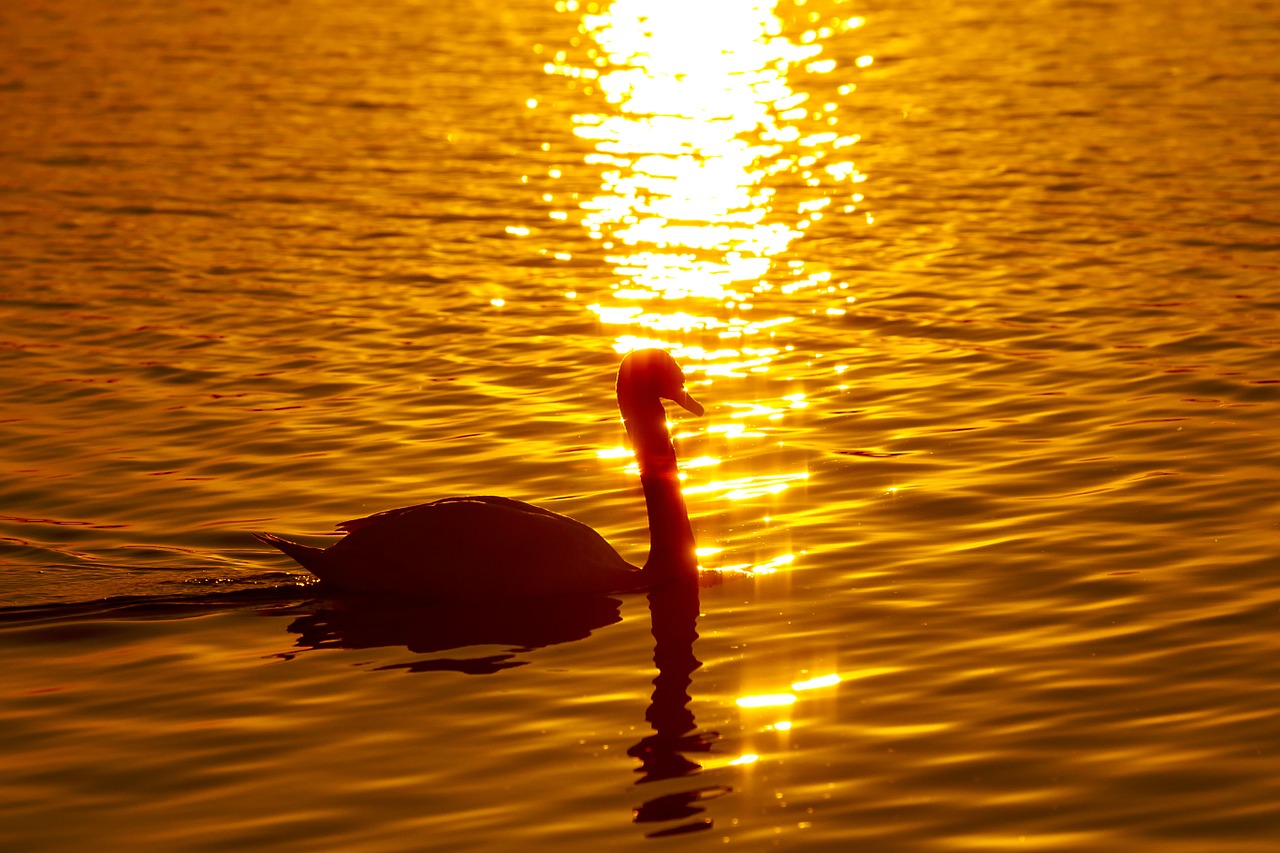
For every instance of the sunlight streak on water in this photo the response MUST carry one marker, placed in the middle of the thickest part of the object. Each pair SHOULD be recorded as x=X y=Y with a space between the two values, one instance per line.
x=1003 y=462
x=713 y=163
x=701 y=125
x=767 y=700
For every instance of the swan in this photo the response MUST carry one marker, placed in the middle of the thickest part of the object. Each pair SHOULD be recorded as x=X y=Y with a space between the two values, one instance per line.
x=485 y=547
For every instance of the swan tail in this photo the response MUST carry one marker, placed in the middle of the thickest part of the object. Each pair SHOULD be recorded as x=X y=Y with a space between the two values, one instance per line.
x=314 y=560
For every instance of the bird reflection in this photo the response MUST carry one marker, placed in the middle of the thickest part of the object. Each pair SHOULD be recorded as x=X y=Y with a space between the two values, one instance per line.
x=356 y=621
x=371 y=621
x=664 y=754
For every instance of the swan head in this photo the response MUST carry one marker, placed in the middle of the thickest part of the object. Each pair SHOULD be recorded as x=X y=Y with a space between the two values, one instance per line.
x=648 y=376
x=645 y=379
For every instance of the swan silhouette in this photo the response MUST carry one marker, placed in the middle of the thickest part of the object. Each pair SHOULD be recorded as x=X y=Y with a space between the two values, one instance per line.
x=484 y=547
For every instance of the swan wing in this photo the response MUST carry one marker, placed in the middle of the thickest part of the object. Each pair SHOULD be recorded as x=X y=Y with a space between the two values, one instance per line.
x=493 y=500
x=476 y=548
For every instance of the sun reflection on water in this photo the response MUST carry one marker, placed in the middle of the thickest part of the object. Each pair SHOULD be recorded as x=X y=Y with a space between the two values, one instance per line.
x=715 y=154
x=769 y=717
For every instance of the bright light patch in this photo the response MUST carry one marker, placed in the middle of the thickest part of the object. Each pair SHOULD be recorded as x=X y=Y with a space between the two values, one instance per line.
x=711 y=163
x=696 y=119
x=772 y=566
x=814 y=683
x=768 y=700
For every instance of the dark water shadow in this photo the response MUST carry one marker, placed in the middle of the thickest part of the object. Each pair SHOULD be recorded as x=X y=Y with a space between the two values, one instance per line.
x=266 y=600
x=320 y=622
x=374 y=621
x=665 y=754
x=341 y=621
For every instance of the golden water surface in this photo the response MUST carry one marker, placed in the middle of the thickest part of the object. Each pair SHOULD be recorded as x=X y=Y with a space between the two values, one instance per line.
x=981 y=300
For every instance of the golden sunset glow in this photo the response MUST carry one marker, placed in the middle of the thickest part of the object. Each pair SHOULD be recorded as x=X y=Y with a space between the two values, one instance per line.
x=768 y=700
x=784 y=699
x=814 y=683
x=698 y=118
x=769 y=715
x=341 y=348
x=713 y=162
x=324 y=399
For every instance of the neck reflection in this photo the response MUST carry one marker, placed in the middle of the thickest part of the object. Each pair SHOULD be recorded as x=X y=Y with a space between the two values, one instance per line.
x=673 y=608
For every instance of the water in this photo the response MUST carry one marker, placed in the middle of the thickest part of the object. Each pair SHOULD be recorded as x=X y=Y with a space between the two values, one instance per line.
x=981 y=303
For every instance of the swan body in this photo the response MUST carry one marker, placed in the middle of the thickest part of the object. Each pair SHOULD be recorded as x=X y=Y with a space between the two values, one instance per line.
x=468 y=547
x=484 y=547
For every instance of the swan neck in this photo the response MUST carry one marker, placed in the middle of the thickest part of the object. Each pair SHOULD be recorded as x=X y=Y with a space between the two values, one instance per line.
x=671 y=544
x=671 y=547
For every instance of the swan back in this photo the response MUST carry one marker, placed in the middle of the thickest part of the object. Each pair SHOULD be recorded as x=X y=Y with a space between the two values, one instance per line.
x=484 y=547
x=474 y=548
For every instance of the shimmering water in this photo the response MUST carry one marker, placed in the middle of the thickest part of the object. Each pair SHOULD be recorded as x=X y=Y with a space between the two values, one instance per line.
x=980 y=298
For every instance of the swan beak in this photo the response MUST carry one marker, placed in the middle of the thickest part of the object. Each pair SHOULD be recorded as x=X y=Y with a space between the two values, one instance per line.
x=690 y=404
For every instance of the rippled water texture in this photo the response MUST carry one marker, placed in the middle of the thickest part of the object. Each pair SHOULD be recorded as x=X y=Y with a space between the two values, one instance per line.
x=980 y=298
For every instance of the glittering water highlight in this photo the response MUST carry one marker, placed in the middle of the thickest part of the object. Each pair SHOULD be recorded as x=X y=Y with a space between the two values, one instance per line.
x=981 y=304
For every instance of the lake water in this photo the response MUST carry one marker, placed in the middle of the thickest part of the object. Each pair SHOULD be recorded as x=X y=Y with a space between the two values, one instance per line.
x=980 y=297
